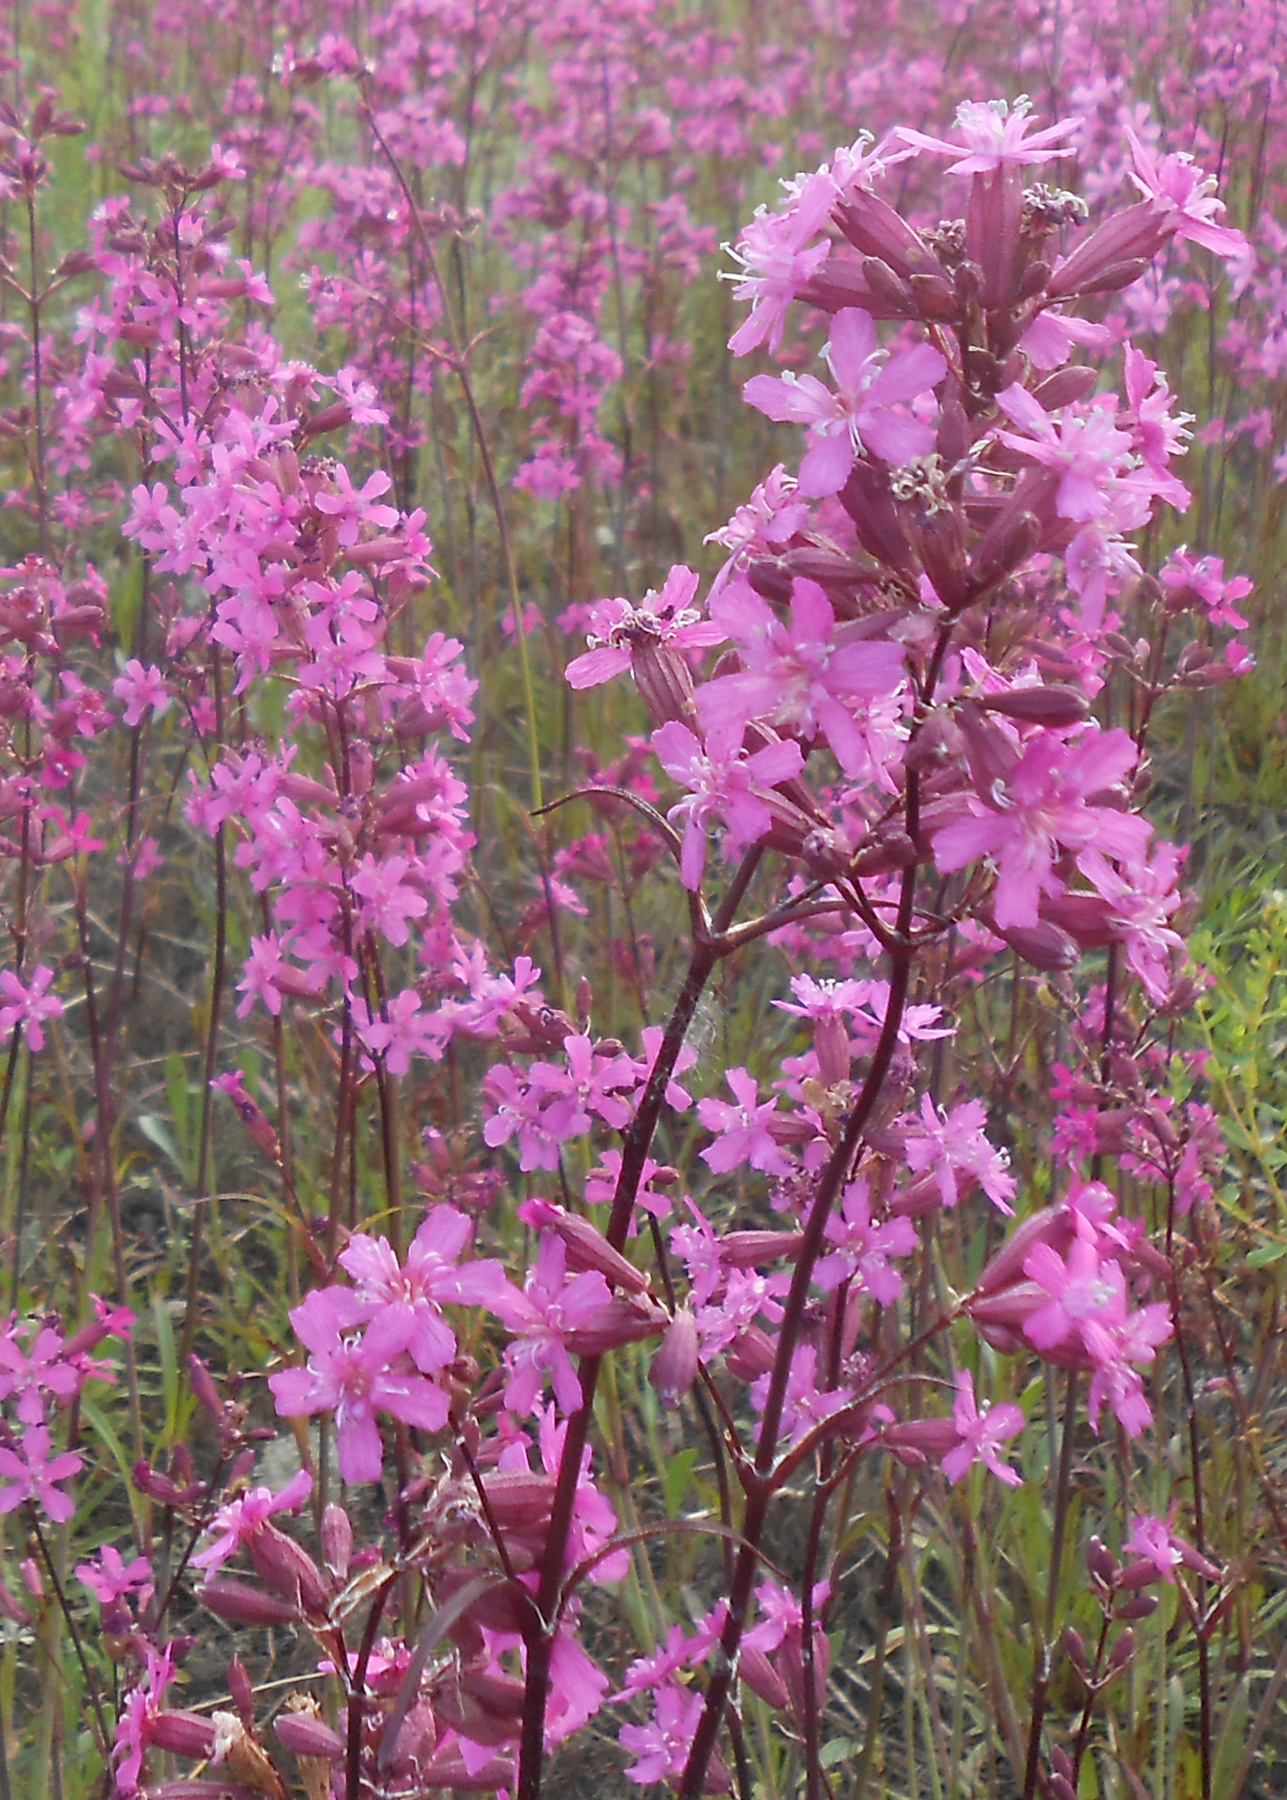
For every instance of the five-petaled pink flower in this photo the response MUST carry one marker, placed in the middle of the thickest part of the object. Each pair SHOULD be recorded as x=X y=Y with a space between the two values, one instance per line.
x=356 y=1374
x=982 y=1433
x=865 y=413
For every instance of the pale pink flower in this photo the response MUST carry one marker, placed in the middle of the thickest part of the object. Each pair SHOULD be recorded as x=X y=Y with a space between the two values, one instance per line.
x=1189 y=194
x=33 y=1474
x=724 y=784
x=995 y=133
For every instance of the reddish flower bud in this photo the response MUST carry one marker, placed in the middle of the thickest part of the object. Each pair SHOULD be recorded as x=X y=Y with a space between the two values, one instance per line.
x=674 y=1368
x=186 y=1733
x=288 y=1569
x=586 y=1245
x=1048 y=704
x=241 y=1604
x=1141 y=1606
x=337 y=1541
x=1124 y=238
x=307 y=1734
x=1043 y=945
x=759 y=1675
x=243 y=1694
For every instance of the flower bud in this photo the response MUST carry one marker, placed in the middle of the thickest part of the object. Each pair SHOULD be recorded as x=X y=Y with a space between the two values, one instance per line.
x=1140 y=1606
x=586 y=1245
x=305 y=1732
x=241 y=1604
x=288 y=1569
x=664 y=681
x=186 y=1733
x=1074 y=1649
x=1043 y=945
x=243 y=1694
x=1134 y=235
x=1122 y=1652
x=1048 y=704
x=674 y=1368
x=1101 y=1563
x=760 y=1676
x=337 y=1541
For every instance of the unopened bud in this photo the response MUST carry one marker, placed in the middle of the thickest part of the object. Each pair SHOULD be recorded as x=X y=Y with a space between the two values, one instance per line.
x=1047 y=704
x=674 y=1368
x=1074 y=1649
x=239 y=1603
x=288 y=1569
x=337 y=1541
x=1122 y=1652
x=306 y=1734
x=1140 y=1606
x=185 y=1733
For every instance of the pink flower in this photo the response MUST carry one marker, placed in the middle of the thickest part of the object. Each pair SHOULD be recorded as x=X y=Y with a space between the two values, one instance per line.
x=725 y=786
x=1045 y=802
x=864 y=414
x=33 y=1475
x=1087 y=449
x=953 y=1144
x=777 y=260
x=661 y=1747
x=995 y=134
x=143 y=690
x=111 y=1579
x=744 y=1135
x=982 y=1434
x=803 y=678
x=1189 y=195
x=36 y=1372
x=28 y=1006
x=417 y=1290
x=863 y=1249
x=549 y=1307
x=617 y=629
x=390 y=903
x=136 y=1725
x=355 y=1375
x=236 y=1523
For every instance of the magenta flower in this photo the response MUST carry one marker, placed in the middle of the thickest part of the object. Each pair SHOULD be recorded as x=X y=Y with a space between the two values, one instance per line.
x=725 y=786
x=36 y=1372
x=661 y=1746
x=743 y=1132
x=777 y=259
x=28 y=1006
x=982 y=1434
x=864 y=413
x=863 y=1249
x=111 y=1579
x=355 y=1375
x=1087 y=449
x=143 y=691
x=236 y=1523
x=803 y=678
x=617 y=629
x=955 y=1144
x=995 y=134
x=1087 y=1299
x=1189 y=195
x=136 y=1725
x=389 y=902
x=1046 y=802
x=549 y=1307
x=33 y=1475
x=417 y=1290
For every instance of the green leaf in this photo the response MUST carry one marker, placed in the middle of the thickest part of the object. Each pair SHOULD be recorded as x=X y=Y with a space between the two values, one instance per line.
x=675 y=1480
x=1264 y=1254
